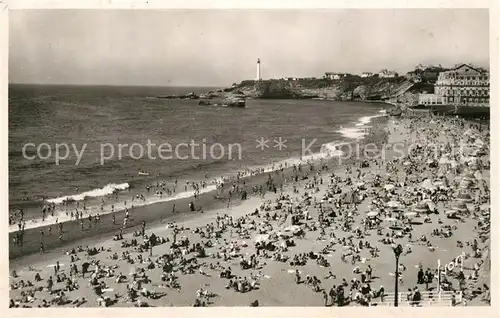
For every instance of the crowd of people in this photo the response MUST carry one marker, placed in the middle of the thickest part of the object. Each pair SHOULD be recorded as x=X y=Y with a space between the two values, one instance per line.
x=331 y=228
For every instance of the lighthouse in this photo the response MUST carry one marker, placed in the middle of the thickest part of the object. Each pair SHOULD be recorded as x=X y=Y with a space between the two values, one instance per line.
x=258 y=70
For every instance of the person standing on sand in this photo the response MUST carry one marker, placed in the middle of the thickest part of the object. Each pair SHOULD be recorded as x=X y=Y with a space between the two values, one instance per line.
x=297 y=277
x=325 y=297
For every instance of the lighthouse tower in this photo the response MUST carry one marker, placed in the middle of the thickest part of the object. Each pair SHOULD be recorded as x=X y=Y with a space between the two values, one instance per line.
x=258 y=70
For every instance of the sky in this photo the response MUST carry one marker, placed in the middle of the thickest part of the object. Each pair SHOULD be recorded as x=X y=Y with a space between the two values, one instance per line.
x=220 y=47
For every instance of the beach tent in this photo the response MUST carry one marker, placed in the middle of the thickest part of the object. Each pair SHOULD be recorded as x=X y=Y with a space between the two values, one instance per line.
x=425 y=206
x=372 y=214
x=465 y=184
x=464 y=197
x=452 y=212
x=351 y=197
x=469 y=175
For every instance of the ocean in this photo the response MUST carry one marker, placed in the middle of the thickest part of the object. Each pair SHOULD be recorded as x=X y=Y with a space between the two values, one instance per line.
x=97 y=121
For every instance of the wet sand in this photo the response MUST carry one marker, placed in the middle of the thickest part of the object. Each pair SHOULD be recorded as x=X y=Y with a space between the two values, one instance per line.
x=153 y=213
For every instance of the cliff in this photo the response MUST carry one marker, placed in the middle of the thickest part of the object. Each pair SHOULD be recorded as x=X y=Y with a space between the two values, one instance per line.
x=349 y=88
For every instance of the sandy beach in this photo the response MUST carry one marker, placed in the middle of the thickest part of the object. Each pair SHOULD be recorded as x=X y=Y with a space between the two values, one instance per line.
x=325 y=237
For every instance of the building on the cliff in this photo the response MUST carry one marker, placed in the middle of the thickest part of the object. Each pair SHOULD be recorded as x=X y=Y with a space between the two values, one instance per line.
x=414 y=76
x=464 y=85
x=366 y=74
x=387 y=74
x=335 y=76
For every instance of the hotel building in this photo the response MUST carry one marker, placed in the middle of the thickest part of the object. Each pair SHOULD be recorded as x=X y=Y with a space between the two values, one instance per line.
x=463 y=85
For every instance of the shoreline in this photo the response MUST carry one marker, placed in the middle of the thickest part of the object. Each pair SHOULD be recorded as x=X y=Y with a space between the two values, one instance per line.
x=275 y=278
x=32 y=208
x=153 y=213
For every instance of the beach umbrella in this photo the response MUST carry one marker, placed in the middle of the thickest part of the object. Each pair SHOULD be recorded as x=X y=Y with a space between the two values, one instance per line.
x=389 y=187
x=283 y=235
x=451 y=212
x=393 y=204
x=432 y=206
x=372 y=214
x=261 y=238
x=474 y=166
x=421 y=207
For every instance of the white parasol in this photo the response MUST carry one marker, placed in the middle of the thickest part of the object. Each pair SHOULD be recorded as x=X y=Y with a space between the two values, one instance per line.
x=261 y=238
x=393 y=204
x=372 y=214
x=389 y=187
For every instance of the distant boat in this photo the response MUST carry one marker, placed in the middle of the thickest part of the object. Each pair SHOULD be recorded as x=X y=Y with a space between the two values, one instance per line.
x=142 y=173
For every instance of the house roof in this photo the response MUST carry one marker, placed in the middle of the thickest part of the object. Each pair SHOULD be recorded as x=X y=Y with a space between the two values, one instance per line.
x=462 y=65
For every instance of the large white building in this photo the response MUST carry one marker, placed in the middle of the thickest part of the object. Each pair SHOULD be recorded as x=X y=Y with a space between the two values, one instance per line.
x=335 y=76
x=430 y=99
x=464 y=85
x=387 y=74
